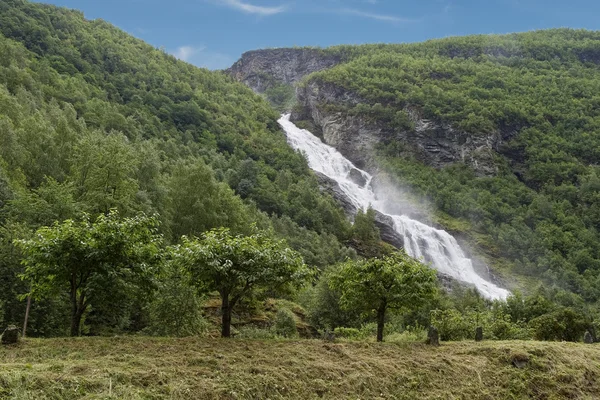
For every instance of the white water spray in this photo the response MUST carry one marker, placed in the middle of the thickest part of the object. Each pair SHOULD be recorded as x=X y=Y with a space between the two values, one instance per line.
x=432 y=246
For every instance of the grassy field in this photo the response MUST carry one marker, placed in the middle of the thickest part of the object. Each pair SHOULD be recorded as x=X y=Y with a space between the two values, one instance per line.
x=146 y=368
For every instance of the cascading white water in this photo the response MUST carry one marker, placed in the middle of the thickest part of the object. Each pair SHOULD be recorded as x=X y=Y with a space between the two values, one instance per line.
x=433 y=246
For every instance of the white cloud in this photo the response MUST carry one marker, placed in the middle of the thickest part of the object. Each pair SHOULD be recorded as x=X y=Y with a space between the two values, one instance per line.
x=253 y=9
x=201 y=57
x=379 y=17
x=184 y=53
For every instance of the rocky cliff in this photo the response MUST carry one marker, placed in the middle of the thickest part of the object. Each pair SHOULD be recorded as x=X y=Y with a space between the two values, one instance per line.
x=321 y=106
x=356 y=136
x=262 y=69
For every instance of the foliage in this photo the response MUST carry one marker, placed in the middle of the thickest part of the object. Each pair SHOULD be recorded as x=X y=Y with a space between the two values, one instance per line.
x=256 y=333
x=175 y=309
x=323 y=305
x=282 y=97
x=236 y=265
x=545 y=314
x=563 y=324
x=364 y=228
x=285 y=323
x=534 y=94
x=454 y=325
x=92 y=119
x=393 y=282
x=88 y=258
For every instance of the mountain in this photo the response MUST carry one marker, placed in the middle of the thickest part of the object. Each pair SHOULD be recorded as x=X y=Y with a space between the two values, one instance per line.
x=499 y=134
x=92 y=119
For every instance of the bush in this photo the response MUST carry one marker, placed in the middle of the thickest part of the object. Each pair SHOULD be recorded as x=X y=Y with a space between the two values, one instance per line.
x=323 y=306
x=347 y=333
x=454 y=325
x=253 y=332
x=285 y=323
x=562 y=324
x=175 y=309
x=411 y=334
x=451 y=324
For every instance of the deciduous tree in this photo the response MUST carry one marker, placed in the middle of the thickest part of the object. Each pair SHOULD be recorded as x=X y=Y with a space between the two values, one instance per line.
x=86 y=258
x=395 y=282
x=235 y=265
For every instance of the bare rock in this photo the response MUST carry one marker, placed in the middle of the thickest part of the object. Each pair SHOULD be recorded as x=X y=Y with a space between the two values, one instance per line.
x=262 y=69
x=479 y=334
x=588 y=338
x=520 y=360
x=433 y=337
x=357 y=177
x=10 y=335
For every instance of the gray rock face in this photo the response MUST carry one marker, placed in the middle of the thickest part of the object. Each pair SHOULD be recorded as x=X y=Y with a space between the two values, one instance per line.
x=384 y=223
x=357 y=177
x=261 y=69
x=433 y=337
x=388 y=234
x=333 y=188
x=10 y=335
x=479 y=334
x=434 y=143
x=588 y=338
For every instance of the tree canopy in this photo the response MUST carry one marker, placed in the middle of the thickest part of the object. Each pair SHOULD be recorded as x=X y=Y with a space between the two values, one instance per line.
x=377 y=285
x=533 y=94
x=93 y=119
x=86 y=259
x=236 y=265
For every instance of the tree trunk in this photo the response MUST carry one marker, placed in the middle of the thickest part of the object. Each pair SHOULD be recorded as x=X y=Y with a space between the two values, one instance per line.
x=380 y=323
x=76 y=322
x=26 y=315
x=226 y=316
x=78 y=308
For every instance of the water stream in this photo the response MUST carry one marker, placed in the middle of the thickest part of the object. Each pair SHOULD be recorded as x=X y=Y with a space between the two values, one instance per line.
x=434 y=247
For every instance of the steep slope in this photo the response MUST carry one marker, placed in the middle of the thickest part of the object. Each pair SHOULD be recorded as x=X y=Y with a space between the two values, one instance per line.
x=93 y=119
x=499 y=133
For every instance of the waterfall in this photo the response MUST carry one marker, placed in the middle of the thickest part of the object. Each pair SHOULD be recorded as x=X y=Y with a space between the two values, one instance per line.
x=434 y=247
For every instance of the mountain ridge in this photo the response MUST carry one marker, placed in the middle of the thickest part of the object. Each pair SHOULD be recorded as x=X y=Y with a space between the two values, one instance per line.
x=490 y=130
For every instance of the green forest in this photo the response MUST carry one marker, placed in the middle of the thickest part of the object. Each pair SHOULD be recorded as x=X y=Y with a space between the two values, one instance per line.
x=538 y=217
x=127 y=177
x=93 y=120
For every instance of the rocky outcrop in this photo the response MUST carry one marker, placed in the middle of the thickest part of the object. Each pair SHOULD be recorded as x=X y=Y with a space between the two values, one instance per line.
x=384 y=223
x=261 y=69
x=10 y=335
x=356 y=136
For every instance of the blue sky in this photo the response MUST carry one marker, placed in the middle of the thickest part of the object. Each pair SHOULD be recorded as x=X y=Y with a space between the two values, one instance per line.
x=214 y=33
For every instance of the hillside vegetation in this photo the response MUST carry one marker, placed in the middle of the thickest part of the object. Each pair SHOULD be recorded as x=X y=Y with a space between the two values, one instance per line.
x=92 y=119
x=539 y=215
x=144 y=368
x=135 y=189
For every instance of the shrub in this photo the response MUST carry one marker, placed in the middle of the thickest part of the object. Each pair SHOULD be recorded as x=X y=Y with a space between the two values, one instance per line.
x=454 y=325
x=253 y=332
x=285 y=323
x=562 y=324
x=451 y=324
x=175 y=309
x=411 y=334
x=347 y=333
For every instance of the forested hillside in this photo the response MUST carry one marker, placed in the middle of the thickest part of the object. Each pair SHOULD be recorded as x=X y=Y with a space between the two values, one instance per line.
x=526 y=109
x=92 y=119
x=102 y=133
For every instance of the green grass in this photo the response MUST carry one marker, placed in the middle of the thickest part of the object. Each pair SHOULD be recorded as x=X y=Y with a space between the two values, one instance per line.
x=147 y=368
